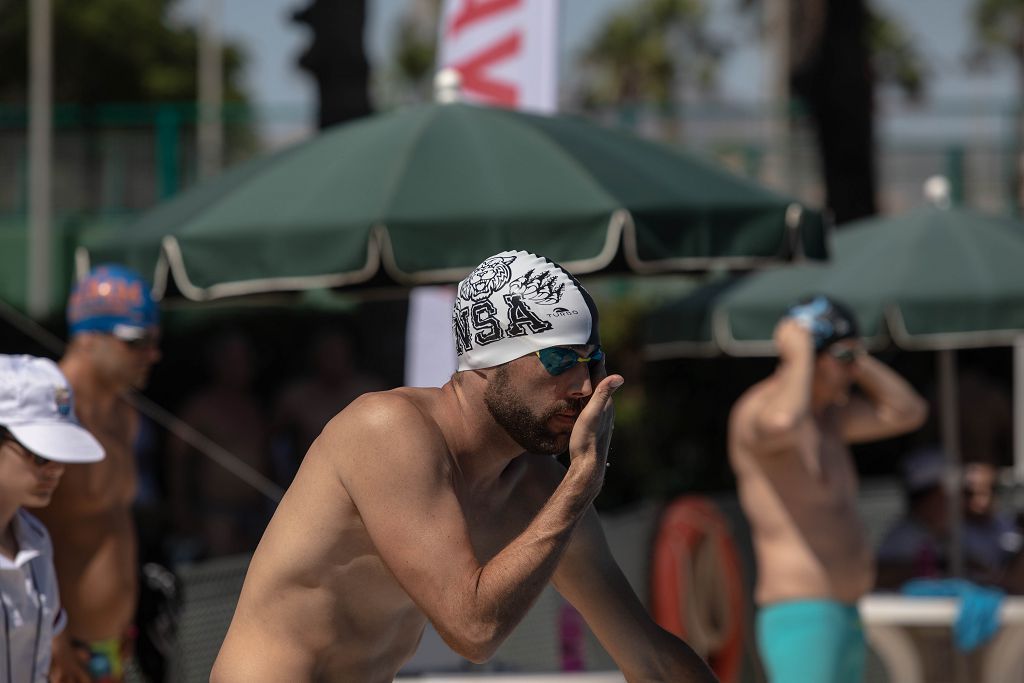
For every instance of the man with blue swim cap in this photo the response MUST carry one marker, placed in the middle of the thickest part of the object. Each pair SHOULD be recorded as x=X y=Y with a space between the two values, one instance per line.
x=829 y=321
x=114 y=300
x=114 y=328
x=788 y=446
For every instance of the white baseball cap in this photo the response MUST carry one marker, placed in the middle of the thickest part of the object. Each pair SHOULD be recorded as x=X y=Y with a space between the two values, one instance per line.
x=36 y=407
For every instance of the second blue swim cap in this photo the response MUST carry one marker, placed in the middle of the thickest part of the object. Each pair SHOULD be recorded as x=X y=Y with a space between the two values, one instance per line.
x=828 y=320
x=112 y=299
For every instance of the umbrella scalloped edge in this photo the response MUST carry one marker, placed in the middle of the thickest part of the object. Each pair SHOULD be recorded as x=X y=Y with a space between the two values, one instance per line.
x=621 y=230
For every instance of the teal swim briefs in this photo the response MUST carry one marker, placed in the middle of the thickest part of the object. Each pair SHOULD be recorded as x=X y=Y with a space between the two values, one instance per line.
x=811 y=640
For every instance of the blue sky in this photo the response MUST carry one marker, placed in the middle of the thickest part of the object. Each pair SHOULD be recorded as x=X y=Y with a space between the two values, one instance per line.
x=273 y=42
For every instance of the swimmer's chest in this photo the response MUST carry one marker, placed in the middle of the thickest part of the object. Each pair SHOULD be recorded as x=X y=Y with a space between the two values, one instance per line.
x=494 y=521
x=824 y=461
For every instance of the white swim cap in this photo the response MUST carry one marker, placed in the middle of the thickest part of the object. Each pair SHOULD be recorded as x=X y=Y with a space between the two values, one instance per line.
x=515 y=303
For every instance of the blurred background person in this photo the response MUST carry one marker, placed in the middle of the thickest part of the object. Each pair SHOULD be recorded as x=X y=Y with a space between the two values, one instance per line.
x=114 y=326
x=917 y=544
x=39 y=436
x=211 y=506
x=334 y=380
x=788 y=445
x=991 y=536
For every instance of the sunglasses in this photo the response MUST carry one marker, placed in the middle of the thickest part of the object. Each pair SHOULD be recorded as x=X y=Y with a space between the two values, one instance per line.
x=144 y=343
x=37 y=460
x=846 y=356
x=558 y=359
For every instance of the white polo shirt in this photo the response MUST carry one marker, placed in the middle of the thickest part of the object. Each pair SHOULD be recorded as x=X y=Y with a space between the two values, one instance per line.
x=30 y=612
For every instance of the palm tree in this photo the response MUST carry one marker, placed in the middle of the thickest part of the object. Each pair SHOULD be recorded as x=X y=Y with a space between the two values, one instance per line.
x=649 y=55
x=416 y=46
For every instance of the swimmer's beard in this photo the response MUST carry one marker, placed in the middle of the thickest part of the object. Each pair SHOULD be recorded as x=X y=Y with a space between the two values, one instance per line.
x=511 y=412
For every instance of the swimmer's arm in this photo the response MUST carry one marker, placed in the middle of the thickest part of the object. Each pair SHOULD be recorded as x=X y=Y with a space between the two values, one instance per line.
x=66 y=664
x=403 y=489
x=591 y=580
x=772 y=425
x=890 y=405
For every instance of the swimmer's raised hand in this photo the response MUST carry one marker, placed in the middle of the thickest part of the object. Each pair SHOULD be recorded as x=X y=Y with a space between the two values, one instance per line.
x=793 y=339
x=592 y=433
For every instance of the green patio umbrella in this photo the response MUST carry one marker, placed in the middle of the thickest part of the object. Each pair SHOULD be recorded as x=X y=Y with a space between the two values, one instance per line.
x=934 y=279
x=422 y=194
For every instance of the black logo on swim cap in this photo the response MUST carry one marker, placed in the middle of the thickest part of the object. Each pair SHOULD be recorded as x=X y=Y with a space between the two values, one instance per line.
x=488 y=277
x=562 y=312
x=539 y=288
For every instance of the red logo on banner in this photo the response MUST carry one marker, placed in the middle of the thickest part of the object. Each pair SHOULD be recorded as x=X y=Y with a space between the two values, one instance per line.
x=476 y=79
x=472 y=11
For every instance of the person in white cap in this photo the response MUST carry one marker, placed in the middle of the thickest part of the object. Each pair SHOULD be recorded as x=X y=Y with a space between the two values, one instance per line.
x=446 y=505
x=38 y=435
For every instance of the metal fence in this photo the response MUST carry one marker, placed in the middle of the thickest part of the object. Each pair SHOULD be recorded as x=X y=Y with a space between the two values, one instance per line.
x=117 y=160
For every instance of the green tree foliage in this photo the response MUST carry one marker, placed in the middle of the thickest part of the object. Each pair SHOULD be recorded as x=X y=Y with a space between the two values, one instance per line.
x=894 y=57
x=999 y=31
x=111 y=51
x=649 y=53
x=416 y=46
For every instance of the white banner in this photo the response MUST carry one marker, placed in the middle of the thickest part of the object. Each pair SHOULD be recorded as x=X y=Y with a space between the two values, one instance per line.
x=430 y=356
x=505 y=50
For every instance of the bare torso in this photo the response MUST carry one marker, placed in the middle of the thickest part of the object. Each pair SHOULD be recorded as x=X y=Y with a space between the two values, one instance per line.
x=319 y=603
x=90 y=521
x=801 y=505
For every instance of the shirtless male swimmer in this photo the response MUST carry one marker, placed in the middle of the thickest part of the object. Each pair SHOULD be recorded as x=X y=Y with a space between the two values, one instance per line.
x=797 y=484
x=445 y=504
x=114 y=326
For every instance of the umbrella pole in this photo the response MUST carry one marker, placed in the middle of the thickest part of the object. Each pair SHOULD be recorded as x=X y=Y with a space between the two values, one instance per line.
x=950 y=430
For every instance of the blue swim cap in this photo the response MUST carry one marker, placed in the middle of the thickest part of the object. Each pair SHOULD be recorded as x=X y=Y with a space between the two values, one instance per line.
x=112 y=299
x=828 y=320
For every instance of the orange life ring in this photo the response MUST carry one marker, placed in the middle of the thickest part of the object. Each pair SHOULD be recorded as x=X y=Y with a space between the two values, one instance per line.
x=697 y=585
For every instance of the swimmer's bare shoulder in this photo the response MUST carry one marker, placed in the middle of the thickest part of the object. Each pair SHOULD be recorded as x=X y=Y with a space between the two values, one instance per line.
x=391 y=429
x=376 y=460
x=336 y=545
x=758 y=429
x=743 y=418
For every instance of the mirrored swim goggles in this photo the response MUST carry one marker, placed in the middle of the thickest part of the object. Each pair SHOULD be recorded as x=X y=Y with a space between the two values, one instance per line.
x=844 y=355
x=558 y=359
x=136 y=338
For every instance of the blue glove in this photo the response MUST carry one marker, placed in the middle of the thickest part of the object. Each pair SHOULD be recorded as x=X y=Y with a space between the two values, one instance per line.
x=978 y=619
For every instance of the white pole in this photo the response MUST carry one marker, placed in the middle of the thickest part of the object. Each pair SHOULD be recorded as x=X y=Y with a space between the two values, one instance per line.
x=1018 y=410
x=210 y=137
x=40 y=153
